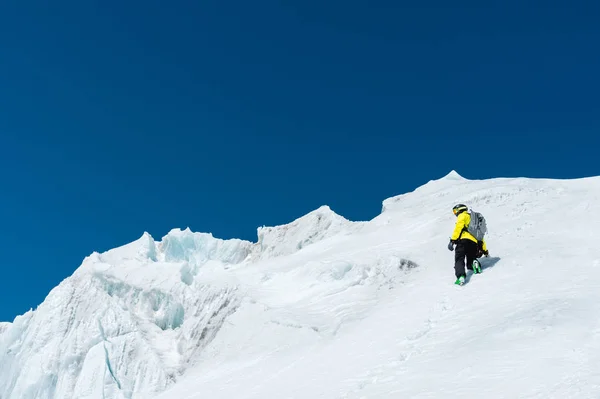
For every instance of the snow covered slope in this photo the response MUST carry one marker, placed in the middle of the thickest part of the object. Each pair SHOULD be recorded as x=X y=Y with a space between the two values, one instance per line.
x=133 y=319
x=327 y=308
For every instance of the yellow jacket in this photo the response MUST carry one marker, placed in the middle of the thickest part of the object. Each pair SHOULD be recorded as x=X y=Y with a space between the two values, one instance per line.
x=460 y=230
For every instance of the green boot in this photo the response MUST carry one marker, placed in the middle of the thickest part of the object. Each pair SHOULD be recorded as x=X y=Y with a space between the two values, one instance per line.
x=476 y=267
x=460 y=280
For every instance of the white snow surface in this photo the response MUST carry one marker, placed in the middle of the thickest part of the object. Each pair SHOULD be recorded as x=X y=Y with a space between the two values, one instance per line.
x=4 y=326
x=287 y=239
x=328 y=308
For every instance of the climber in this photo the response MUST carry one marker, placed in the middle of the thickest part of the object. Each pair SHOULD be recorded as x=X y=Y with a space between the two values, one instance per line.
x=468 y=238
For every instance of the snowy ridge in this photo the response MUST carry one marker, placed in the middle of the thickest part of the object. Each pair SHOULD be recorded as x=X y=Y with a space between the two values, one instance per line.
x=325 y=307
x=313 y=227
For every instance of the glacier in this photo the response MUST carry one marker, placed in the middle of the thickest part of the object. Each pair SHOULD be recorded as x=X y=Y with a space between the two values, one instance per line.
x=327 y=307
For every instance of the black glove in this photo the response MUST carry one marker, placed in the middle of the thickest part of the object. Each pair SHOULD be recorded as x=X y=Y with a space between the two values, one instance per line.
x=486 y=253
x=451 y=245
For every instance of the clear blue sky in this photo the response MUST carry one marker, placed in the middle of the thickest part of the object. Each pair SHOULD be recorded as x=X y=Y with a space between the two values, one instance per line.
x=123 y=117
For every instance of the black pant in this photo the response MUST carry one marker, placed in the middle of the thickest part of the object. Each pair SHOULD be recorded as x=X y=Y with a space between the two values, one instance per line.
x=464 y=249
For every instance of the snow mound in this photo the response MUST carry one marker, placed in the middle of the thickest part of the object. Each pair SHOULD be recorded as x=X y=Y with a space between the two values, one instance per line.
x=309 y=229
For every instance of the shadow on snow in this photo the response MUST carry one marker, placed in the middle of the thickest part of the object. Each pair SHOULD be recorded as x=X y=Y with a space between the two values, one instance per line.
x=486 y=263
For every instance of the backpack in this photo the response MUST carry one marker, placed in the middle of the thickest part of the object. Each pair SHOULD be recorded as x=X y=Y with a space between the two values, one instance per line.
x=477 y=226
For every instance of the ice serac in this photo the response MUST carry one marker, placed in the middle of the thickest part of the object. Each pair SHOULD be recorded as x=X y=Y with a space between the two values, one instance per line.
x=4 y=326
x=126 y=324
x=184 y=245
x=316 y=226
